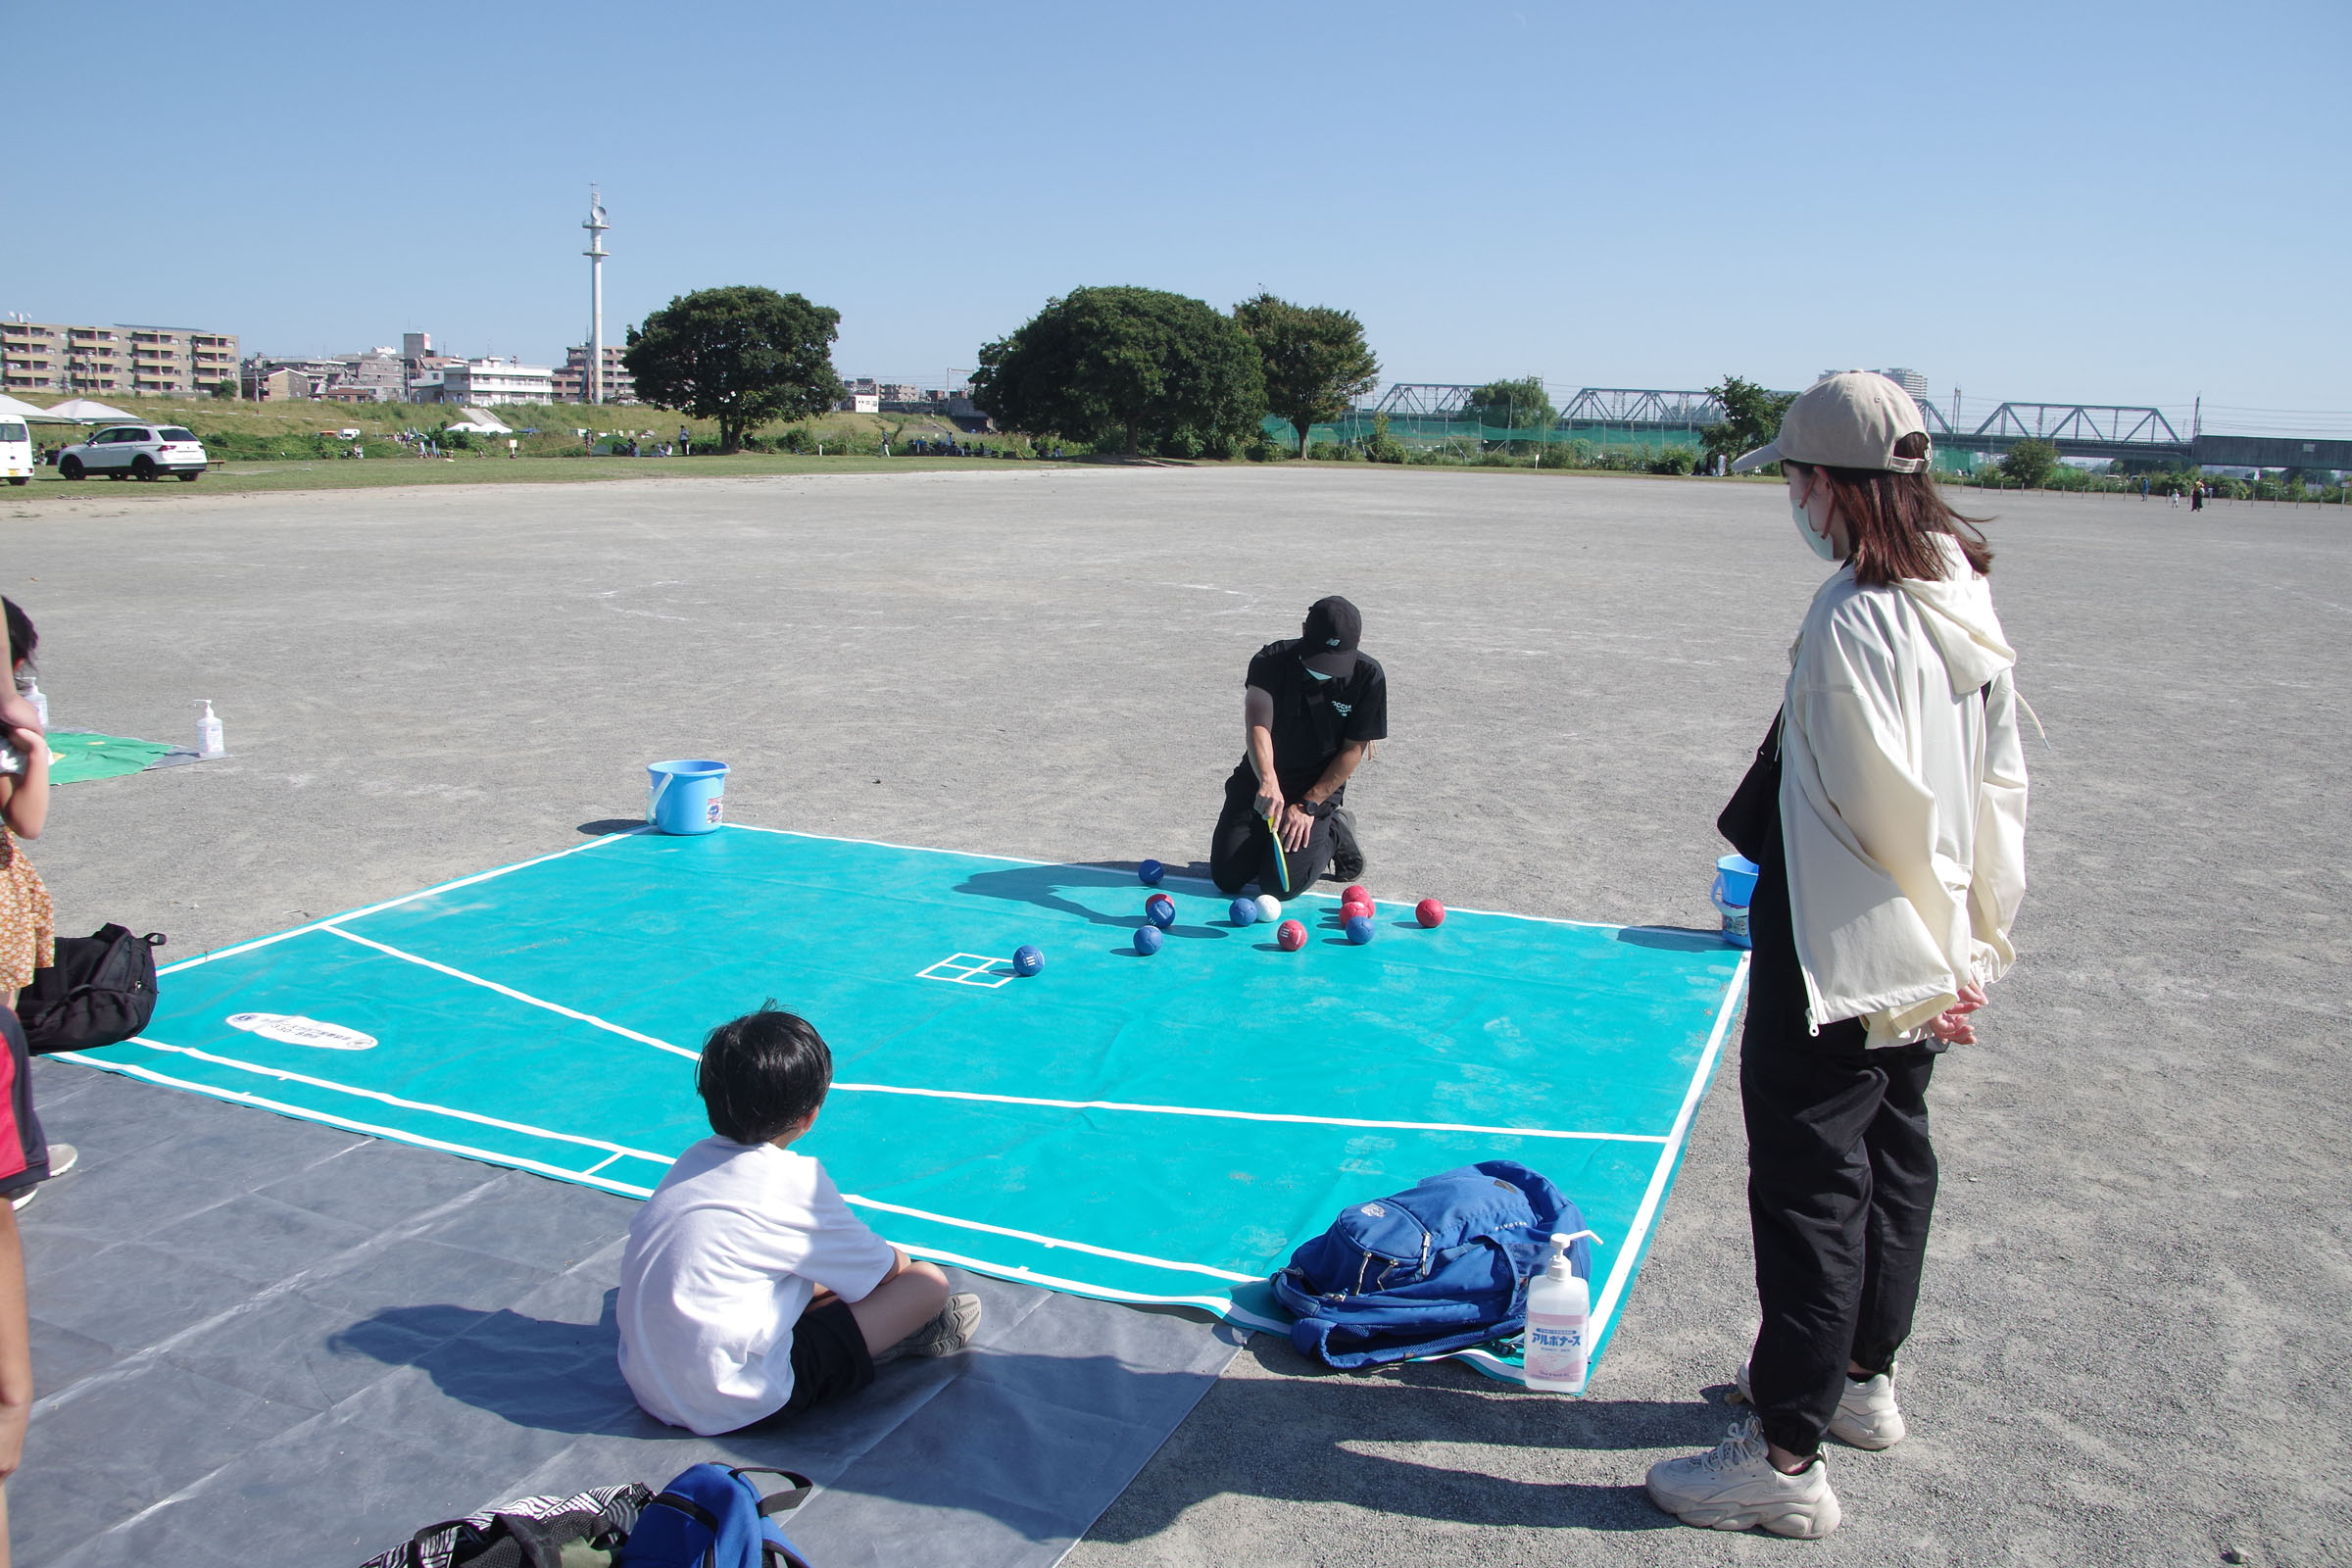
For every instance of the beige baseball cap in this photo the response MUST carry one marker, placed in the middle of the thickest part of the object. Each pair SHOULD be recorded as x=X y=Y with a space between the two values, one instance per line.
x=1849 y=420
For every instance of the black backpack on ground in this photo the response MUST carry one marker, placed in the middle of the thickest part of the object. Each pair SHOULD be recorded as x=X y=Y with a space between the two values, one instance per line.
x=100 y=992
x=527 y=1533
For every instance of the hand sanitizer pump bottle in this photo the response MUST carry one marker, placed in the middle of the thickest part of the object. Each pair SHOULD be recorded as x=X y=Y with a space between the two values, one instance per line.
x=30 y=690
x=208 y=733
x=1559 y=1312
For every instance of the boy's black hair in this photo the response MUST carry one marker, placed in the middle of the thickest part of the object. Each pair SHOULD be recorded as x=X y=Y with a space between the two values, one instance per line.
x=22 y=638
x=763 y=1073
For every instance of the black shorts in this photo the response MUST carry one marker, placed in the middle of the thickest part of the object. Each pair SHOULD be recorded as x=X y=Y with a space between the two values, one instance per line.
x=829 y=1358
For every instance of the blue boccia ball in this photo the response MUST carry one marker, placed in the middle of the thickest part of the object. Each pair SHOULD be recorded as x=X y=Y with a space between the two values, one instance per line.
x=1149 y=872
x=1161 y=911
x=1148 y=940
x=1027 y=960
x=1359 y=930
x=1244 y=912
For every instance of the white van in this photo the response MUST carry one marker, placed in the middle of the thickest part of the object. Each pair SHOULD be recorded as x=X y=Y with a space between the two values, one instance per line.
x=16 y=451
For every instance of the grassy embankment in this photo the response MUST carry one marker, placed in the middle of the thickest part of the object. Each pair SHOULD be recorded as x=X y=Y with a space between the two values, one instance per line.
x=308 y=451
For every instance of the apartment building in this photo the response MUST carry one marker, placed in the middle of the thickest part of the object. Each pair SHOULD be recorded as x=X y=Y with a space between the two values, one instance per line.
x=572 y=378
x=483 y=383
x=125 y=360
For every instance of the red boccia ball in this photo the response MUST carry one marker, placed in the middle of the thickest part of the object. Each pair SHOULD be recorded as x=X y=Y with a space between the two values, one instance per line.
x=1354 y=908
x=1292 y=935
x=1430 y=912
x=1354 y=892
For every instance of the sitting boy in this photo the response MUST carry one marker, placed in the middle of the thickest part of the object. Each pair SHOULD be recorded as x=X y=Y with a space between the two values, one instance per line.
x=749 y=1289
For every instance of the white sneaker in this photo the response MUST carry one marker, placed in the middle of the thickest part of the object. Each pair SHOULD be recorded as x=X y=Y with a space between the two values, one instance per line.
x=62 y=1158
x=1734 y=1486
x=1866 y=1416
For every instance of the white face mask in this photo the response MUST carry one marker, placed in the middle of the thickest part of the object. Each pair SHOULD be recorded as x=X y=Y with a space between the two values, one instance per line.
x=1825 y=549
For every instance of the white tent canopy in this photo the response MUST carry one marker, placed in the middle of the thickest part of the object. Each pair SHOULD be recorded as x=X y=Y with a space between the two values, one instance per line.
x=18 y=409
x=87 y=410
x=480 y=422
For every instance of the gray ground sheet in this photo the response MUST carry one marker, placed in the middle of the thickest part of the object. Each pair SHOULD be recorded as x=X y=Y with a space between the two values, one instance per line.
x=2132 y=1346
x=265 y=1342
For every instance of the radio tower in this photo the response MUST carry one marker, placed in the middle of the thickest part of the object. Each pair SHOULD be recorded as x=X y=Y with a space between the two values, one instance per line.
x=596 y=253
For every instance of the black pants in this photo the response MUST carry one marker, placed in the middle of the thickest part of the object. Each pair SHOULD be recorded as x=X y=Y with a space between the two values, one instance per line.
x=1242 y=851
x=1841 y=1184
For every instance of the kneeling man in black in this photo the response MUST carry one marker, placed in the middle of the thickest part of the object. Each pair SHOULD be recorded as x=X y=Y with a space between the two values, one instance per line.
x=1312 y=707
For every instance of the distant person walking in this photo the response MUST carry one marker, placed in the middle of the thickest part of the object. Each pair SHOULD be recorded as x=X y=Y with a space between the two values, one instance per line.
x=2196 y=497
x=685 y=442
x=1887 y=808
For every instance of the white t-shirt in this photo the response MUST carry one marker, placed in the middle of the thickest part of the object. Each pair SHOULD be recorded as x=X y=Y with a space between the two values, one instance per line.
x=722 y=1262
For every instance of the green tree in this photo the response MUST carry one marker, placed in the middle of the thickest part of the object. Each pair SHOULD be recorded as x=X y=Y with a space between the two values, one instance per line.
x=1520 y=404
x=224 y=389
x=1316 y=361
x=740 y=357
x=1751 y=417
x=2029 y=462
x=1136 y=366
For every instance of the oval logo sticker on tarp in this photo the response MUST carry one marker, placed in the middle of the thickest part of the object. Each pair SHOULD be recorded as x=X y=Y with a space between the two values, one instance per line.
x=293 y=1029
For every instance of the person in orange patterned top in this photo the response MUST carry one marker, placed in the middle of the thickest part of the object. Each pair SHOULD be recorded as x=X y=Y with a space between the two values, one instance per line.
x=27 y=938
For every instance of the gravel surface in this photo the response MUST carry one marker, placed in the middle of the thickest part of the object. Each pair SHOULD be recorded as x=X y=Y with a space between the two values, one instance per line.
x=2131 y=1346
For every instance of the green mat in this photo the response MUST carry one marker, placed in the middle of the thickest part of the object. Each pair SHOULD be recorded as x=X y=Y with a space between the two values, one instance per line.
x=81 y=755
x=1161 y=1129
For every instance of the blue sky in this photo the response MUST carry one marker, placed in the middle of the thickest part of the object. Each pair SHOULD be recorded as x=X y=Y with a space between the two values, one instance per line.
x=2111 y=202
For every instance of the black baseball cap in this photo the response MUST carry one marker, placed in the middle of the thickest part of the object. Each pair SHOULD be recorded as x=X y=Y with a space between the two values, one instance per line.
x=1329 y=637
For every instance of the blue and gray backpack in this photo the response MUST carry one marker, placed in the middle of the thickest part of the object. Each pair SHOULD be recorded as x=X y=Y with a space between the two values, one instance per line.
x=1441 y=1266
x=712 y=1516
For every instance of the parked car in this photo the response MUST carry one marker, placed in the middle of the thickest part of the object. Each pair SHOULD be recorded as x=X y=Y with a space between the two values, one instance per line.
x=16 y=451
x=136 y=452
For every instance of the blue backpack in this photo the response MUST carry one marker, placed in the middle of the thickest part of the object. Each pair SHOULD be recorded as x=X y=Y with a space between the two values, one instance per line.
x=712 y=1516
x=1441 y=1266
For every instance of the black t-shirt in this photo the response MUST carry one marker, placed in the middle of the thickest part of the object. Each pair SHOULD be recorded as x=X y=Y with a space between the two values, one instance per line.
x=1313 y=718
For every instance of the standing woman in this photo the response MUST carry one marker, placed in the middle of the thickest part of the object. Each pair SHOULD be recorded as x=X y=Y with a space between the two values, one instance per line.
x=1888 y=811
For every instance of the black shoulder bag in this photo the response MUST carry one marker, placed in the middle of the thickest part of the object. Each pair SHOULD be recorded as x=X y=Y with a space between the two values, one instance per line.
x=100 y=992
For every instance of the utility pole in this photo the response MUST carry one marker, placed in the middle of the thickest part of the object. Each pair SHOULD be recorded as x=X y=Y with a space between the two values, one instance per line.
x=596 y=253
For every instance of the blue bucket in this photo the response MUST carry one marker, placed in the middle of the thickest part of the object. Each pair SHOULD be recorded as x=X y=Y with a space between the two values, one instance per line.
x=1735 y=879
x=686 y=797
x=1734 y=889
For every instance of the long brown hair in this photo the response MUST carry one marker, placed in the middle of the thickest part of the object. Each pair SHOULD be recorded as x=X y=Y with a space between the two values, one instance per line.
x=1889 y=517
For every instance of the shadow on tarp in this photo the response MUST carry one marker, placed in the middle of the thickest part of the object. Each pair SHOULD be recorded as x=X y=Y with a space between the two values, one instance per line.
x=1011 y=1434
x=1304 y=1438
x=1672 y=938
x=1299 y=1437
x=1047 y=887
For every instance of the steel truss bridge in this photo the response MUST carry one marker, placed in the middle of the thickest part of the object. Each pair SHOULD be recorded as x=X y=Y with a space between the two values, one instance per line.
x=2076 y=429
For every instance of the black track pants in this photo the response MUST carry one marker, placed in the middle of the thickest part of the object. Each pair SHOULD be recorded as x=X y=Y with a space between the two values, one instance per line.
x=1242 y=851
x=1841 y=1184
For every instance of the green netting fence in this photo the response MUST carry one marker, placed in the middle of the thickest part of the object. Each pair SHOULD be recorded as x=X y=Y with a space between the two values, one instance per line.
x=1470 y=438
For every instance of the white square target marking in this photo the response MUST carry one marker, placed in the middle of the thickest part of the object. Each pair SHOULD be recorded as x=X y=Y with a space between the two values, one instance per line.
x=969 y=969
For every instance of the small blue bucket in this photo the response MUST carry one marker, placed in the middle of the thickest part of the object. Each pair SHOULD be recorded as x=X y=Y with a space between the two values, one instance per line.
x=687 y=797
x=1734 y=889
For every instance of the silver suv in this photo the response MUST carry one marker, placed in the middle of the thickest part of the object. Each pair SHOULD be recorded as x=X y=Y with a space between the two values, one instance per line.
x=136 y=452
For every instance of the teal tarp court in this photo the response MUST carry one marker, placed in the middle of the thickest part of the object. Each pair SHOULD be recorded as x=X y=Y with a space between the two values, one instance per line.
x=1159 y=1129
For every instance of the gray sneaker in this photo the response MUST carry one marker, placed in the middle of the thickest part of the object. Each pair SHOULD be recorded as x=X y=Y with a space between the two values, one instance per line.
x=1734 y=1486
x=944 y=1334
x=1866 y=1416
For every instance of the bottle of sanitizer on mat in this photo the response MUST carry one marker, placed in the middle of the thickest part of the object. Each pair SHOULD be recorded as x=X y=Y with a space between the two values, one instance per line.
x=1559 y=1312
x=29 y=689
x=208 y=732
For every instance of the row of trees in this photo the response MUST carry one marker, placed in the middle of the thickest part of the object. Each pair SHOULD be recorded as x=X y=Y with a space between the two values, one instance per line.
x=1133 y=368
x=1150 y=370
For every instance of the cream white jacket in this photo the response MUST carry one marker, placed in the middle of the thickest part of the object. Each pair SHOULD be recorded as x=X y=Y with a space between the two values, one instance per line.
x=1903 y=799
